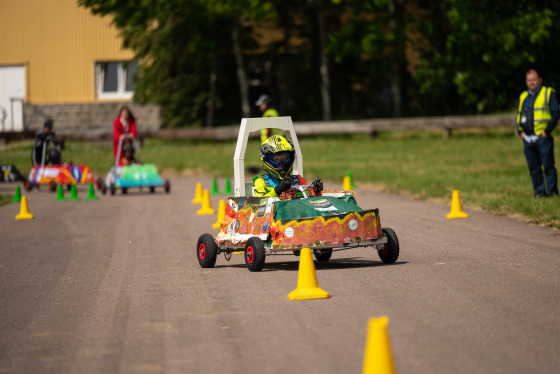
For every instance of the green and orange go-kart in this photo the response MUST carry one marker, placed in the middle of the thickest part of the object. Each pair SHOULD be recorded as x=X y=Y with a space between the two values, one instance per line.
x=263 y=226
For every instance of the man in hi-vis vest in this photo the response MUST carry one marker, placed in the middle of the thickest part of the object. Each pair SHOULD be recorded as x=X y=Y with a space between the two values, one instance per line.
x=264 y=104
x=537 y=117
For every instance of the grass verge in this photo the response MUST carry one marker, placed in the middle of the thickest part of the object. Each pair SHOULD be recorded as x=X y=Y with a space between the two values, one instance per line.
x=486 y=166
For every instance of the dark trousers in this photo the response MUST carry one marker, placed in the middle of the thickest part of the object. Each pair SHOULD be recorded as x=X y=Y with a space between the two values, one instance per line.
x=540 y=157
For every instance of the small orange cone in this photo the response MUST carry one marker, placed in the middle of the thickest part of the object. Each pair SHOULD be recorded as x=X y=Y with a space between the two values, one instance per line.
x=347 y=184
x=206 y=206
x=377 y=355
x=456 y=208
x=307 y=287
x=221 y=214
x=198 y=194
x=24 y=210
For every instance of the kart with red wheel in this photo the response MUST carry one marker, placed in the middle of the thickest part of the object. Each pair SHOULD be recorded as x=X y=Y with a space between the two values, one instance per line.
x=262 y=226
x=52 y=172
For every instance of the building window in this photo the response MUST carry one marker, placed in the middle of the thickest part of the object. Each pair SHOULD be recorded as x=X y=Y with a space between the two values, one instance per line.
x=115 y=80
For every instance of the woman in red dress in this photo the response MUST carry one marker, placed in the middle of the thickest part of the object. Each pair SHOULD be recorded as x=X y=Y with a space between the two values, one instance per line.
x=124 y=128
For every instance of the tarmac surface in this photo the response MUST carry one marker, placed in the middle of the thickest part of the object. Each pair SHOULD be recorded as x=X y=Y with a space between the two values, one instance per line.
x=114 y=286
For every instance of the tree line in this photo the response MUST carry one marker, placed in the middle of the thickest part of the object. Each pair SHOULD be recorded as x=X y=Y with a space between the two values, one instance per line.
x=205 y=62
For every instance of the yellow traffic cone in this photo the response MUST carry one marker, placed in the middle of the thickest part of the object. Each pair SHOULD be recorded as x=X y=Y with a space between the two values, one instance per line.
x=347 y=184
x=221 y=213
x=307 y=287
x=206 y=206
x=198 y=194
x=377 y=355
x=456 y=208
x=24 y=210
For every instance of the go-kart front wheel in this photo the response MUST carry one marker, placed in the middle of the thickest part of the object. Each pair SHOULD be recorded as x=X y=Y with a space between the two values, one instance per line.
x=323 y=254
x=254 y=254
x=206 y=251
x=167 y=186
x=390 y=251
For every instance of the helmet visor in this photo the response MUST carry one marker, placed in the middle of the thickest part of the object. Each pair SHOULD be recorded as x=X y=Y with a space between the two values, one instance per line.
x=280 y=158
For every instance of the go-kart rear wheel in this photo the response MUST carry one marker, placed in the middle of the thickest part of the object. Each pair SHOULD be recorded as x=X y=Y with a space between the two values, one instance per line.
x=206 y=251
x=323 y=254
x=254 y=254
x=28 y=185
x=124 y=190
x=52 y=186
x=167 y=186
x=390 y=251
x=152 y=189
x=113 y=189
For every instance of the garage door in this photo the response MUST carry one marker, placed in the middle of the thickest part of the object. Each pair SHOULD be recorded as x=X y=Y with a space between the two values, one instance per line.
x=12 y=97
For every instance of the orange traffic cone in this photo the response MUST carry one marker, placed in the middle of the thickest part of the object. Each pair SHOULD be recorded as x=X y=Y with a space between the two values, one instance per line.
x=456 y=208
x=198 y=194
x=347 y=184
x=24 y=210
x=377 y=355
x=221 y=214
x=307 y=287
x=206 y=205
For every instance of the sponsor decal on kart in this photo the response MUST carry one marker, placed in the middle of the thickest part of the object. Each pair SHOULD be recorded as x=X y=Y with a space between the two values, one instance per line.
x=231 y=227
x=289 y=232
x=269 y=206
x=261 y=212
x=323 y=205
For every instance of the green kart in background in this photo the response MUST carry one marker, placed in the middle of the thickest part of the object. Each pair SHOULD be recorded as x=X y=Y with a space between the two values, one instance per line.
x=134 y=175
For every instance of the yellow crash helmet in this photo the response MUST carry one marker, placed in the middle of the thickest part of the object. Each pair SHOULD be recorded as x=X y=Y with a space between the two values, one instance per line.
x=277 y=156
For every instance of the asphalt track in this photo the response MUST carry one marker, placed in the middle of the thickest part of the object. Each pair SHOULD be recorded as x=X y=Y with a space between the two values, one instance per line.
x=114 y=286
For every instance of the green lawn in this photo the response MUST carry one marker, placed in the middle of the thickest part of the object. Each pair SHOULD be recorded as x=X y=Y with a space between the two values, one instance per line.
x=486 y=166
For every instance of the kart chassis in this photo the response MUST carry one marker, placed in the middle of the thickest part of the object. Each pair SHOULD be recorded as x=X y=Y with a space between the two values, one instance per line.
x=257 y=244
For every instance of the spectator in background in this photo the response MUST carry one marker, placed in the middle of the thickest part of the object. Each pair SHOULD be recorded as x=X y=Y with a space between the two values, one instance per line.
x=264 y=104
x=124 y=129
x=537 y=117
x=39 y=153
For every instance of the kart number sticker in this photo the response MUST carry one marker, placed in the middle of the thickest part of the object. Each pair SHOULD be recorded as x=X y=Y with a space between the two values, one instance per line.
x=289 y=232
x=353 y=224
x=233 y=205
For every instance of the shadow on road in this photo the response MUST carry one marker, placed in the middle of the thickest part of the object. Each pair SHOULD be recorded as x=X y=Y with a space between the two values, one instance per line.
x=335 y=264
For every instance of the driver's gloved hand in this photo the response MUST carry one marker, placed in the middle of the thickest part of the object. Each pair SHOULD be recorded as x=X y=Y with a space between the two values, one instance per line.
x=317 y=185
x=290 y=194
x=283 y=186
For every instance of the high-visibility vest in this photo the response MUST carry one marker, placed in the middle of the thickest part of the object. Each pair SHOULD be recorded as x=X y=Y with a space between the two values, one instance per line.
x=267 y=133
x=541 y=110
